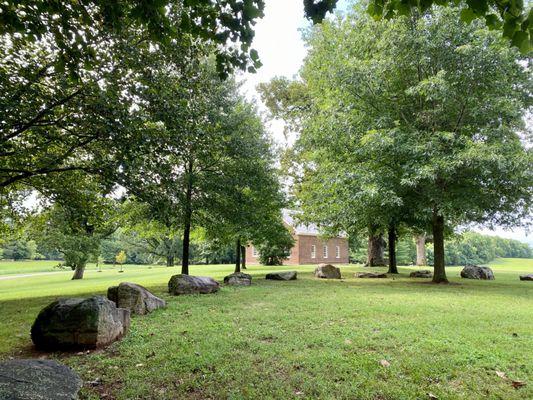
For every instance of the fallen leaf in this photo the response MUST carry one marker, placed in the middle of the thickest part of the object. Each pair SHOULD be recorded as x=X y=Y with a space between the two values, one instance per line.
x=384 y=363
x=518 y=384
x=501 y=374
x=432 y=396
x=348 y=341
x=298 y=393
x=139 y=365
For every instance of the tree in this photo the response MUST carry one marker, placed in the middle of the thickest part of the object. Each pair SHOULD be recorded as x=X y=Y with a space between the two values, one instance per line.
x=414 y=121
x=76 y=220
x=120 y=258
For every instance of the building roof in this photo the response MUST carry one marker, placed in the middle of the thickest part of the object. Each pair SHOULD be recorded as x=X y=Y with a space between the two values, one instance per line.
x=302 y=229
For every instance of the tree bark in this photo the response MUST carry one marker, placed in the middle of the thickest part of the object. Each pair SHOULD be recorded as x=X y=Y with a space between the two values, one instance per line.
x=187 y=223
x=238 y=255
x=439 y=271
x=421 y=258
x=393 y=267
x=170 y=261
x=78 y=272
x=376 y=250
x=243 y=257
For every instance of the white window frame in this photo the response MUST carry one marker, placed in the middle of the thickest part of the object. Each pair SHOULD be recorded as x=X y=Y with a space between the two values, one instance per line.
x=337 y=251
x=254 y=252
x=313 y=251
x=325 y=251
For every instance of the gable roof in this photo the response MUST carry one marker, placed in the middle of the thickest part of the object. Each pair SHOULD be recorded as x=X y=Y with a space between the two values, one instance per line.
x=302 y=229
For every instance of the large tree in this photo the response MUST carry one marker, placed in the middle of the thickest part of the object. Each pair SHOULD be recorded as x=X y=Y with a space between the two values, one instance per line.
x=419 y=119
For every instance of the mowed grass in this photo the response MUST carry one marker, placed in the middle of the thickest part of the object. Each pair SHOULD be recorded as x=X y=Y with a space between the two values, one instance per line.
x=302 y=339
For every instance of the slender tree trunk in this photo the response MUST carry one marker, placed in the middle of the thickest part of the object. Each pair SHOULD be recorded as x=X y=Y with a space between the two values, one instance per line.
x=376 y=250
x=393 y=267
x=243 y=257
x=439 y=272
x=238 y=256
x=187 y=223
x=170 y=260
x=78 y=271
x=421 y=259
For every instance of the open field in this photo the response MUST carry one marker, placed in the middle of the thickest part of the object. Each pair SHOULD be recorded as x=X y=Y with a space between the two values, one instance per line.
x=302 y=339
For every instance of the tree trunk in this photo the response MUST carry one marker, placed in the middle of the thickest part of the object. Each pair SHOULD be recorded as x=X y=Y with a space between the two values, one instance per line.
x=393 y=267
x=187 y=224
x=170 y=261
x=376 y=251
x=421 y=259
x=243 y=257
x=439 y=272
x=78 y=271
x=238 y=256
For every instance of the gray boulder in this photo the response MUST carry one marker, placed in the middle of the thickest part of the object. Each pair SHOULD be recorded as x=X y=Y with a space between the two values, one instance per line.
x=370 y=275
x=327 y=271
x=38 y=380
x=423 y=273
x=238 y=279
x=74 y=323
x=528 y=277
x=282 y=276
x=135 y=298
x=477 y=272
x=186 y=284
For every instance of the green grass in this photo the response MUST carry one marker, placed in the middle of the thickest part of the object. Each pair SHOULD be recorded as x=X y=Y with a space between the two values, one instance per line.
x=303 y=339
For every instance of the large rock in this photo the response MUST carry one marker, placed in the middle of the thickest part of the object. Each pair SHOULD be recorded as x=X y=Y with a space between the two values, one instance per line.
x=477 y=272
x=370 y=275
x=186 y=284
x=238 y=279
x=135 y=298
x=74 y=323
x=327 y=271
x=528 y=277
x=422 y=273
x=38 y=380
x=282 y=276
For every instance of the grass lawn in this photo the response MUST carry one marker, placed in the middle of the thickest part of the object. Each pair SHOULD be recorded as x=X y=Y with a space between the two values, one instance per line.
x=302 y=339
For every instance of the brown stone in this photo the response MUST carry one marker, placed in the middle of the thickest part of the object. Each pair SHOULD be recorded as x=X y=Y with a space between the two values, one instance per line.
x=327 y=271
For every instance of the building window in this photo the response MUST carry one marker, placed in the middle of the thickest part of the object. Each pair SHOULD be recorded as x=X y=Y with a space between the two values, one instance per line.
x=254 y=251
x=313 y=251
x=325 y=251
x=337 y=252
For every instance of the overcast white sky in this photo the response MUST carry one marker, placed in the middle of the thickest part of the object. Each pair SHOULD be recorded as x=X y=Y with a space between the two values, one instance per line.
x=278 y=41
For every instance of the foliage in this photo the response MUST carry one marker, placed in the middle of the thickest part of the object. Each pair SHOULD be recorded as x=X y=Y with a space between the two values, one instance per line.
x=19 y=249
x=120 y=258
x=276 y=249
x=408 y=122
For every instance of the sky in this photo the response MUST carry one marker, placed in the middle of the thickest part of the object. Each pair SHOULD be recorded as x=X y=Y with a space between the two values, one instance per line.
x=279 y=42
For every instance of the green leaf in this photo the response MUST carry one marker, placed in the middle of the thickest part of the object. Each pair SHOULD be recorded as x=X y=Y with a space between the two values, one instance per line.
x=467 y=15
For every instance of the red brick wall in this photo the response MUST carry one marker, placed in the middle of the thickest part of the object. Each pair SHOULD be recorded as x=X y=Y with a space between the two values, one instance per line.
x=301 y=252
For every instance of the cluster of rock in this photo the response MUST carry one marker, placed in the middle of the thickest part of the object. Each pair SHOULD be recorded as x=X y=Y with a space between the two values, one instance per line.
x=423 y=273
x=476 y=272
x=327 y=271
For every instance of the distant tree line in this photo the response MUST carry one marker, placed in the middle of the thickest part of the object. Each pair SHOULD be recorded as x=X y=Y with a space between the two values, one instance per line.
x=468 y=248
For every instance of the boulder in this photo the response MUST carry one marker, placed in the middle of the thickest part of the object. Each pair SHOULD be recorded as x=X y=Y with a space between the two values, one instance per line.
x=238 y=279
x=282 y=276
x=135 y=298
x=370 y=275
x=74 y=323
x=186 y=284
x=477 y=272
x=327 y=271
x=38 y=380
x=422 y=273
x=528 y=277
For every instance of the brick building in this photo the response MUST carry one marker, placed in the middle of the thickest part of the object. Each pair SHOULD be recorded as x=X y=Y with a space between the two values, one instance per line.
x=308 y=248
